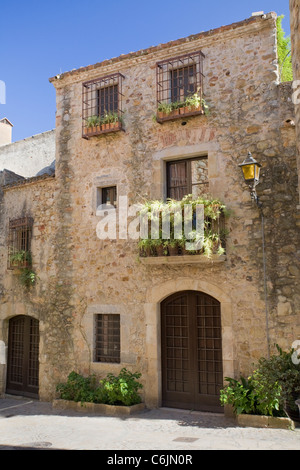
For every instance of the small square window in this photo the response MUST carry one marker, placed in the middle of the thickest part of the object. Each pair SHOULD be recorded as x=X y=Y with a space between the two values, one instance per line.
x=107 y=338
x=107 y=196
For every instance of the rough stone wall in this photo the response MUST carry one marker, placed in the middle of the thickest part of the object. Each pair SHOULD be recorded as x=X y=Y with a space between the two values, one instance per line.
x=295 y=43
x=27 y=157
x=249 y=111
x=83 y=275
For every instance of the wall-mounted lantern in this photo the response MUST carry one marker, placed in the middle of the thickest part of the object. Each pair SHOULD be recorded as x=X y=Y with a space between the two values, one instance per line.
x=251 y=169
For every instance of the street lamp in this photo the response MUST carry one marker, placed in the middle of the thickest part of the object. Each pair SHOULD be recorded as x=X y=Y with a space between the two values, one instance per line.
x=251 y=169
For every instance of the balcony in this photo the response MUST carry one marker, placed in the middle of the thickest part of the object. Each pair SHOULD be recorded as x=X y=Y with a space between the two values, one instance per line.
x=190 y=231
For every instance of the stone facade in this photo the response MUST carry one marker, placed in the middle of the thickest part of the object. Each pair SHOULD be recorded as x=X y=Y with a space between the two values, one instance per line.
x=81 y=275
x=295 y=43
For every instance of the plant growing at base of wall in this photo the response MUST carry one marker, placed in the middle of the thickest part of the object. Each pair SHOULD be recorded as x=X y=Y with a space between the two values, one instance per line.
x=112 y=390
x=271 y=390
x=210 y=242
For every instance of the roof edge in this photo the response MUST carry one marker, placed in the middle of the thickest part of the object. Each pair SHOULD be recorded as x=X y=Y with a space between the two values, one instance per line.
x=142 y=52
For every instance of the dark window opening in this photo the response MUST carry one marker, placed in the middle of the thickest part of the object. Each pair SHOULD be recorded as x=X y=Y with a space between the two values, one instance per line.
x=107 y=196
x=185 y=177
x=107 y=338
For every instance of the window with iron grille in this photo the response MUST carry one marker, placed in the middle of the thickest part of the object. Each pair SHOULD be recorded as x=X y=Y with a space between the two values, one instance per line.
x=187 y=176
x=102 y=105
x=107 y=196
x=180 y=86
x=107 y=338
x=19 y=242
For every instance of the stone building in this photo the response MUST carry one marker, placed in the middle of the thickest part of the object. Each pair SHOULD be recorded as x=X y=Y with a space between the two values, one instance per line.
x=295 y=43
x=185 y=321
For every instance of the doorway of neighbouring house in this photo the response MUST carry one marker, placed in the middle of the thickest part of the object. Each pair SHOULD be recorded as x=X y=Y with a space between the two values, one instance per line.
x=23 y=356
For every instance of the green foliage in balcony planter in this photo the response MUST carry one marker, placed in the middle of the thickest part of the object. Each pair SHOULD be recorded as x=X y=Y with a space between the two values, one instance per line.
x=93 y=121
x=113 y=390
x=27 y=277
x=192 y=102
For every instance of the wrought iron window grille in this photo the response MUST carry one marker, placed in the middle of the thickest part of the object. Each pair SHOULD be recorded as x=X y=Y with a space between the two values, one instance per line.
x=102 y=105
x=179 y=86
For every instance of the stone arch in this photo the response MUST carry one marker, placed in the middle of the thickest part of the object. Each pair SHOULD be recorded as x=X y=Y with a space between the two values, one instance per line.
x=154 y=296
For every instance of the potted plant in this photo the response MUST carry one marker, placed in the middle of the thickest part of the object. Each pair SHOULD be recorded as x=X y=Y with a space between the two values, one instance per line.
x=20 y=258
x=92 y=122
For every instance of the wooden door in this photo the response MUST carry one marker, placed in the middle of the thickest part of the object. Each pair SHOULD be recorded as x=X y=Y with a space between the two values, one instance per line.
x=23 y=356
x=192 y=373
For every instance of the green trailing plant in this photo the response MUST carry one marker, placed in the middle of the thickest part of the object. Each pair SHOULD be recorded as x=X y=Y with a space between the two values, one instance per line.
x=284 y=52
x=20 y=257
x=122 y=389
x=27 y=277
x=154 y=211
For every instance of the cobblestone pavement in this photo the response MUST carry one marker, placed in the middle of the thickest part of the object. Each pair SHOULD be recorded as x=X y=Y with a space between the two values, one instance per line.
x=30 y=424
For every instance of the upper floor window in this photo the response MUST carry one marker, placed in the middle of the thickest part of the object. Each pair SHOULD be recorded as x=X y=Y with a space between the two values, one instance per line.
x=107 y=196
x=180 y=86
x=188 y=176
x=19 y=242
x=102 y=105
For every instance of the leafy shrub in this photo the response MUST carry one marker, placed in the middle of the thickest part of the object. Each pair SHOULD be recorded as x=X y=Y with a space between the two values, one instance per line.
x=269 y=390
x=282 y=370
x=249 y=396
x=77 y=388
x=121 y=390
x=113 y=390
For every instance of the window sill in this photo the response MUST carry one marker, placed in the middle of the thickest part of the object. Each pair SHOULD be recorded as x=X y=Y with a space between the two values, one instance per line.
x=182 y=259
x=178 y=114
x=103 y=129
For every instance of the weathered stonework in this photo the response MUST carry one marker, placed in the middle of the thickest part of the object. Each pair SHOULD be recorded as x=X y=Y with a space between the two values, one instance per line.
x=295 y=43
x=82 y=275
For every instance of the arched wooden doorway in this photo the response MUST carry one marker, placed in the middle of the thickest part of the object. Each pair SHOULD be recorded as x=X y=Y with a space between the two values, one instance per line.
x=23 y=356
x=192 y=373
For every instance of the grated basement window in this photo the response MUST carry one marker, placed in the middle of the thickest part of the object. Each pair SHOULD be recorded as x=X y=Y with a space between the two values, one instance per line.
x=107 y=338
x=19 y=242
x=179 y=85
x=102 y=105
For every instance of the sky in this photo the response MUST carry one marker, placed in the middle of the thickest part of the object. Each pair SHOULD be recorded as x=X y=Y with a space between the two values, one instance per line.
x=40 y=39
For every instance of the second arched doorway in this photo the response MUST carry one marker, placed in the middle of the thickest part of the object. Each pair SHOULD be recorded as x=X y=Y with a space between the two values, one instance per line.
x=192 y=373
x=23 y=356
